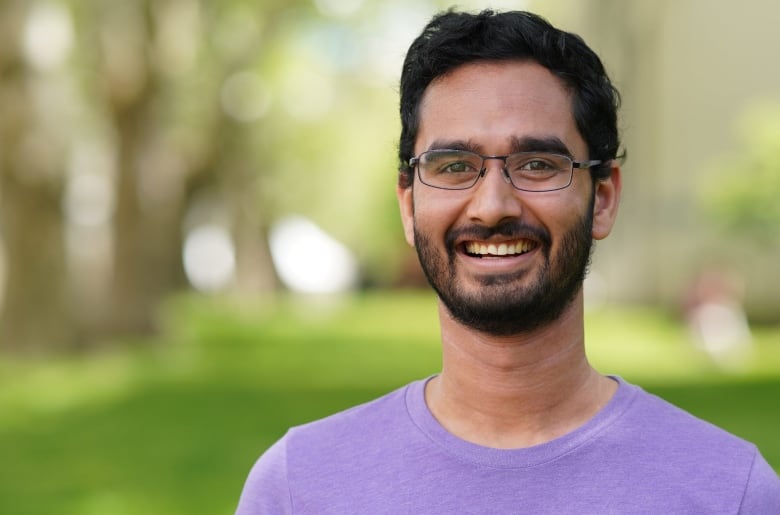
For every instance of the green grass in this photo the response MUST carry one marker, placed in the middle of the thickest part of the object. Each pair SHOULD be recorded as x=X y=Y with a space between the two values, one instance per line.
x=173 y=425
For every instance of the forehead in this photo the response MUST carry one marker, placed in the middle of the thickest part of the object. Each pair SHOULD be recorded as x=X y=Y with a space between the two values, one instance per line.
x=489 y=104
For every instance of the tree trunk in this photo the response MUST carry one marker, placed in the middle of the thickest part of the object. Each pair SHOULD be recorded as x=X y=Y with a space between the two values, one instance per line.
x=147 y=263
x=35 y=314
x=149 y=184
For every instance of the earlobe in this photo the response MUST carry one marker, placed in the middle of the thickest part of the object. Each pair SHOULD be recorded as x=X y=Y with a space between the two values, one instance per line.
x=606 y=201
x=406 y=206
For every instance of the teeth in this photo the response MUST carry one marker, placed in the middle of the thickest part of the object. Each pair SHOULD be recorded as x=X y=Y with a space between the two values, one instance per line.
x=502 y=249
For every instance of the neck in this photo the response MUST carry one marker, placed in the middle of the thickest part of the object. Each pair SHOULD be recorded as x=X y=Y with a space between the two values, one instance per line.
x=517 y=391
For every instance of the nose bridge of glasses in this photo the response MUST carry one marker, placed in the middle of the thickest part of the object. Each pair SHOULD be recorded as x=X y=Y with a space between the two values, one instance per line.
x=504 y=171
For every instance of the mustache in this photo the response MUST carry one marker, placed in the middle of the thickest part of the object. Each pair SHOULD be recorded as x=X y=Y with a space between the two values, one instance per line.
x=511 y=229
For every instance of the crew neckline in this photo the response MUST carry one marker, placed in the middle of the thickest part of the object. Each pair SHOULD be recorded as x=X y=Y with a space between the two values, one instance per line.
x=522 y=457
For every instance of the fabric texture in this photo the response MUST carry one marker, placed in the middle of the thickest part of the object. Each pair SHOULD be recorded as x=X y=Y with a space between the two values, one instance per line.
x=639 y=454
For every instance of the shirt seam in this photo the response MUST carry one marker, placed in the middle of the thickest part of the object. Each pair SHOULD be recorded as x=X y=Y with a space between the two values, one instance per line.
x=287 y=475
x=747 y=479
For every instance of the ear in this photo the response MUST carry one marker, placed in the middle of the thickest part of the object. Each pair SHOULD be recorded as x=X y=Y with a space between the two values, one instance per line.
x=406 y=205
x=606 y=200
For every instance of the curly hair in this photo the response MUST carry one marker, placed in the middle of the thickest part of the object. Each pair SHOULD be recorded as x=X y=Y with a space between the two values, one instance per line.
x=452 y=39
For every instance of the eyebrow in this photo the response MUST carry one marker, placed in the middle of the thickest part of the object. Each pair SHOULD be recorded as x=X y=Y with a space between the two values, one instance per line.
x=455 y=144
x=525 y=144
x=545 y=144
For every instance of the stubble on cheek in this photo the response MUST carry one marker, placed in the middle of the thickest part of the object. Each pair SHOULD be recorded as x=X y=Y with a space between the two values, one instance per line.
x=438 y=266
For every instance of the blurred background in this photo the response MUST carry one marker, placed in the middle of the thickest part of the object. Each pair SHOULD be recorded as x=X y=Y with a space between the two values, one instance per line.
x=200 y=243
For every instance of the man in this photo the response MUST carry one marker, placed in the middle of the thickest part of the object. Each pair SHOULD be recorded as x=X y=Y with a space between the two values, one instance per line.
x=508 y=172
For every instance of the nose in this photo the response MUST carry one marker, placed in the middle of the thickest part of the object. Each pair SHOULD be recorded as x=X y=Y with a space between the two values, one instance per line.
x=494 y=199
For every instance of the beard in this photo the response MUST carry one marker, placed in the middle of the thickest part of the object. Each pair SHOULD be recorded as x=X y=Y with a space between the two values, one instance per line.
x=502 y=306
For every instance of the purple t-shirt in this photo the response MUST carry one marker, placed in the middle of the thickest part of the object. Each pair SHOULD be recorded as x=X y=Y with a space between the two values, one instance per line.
x=639 y=454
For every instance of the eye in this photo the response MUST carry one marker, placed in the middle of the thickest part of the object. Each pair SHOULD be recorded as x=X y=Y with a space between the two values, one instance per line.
x=539 y=165
x=536 y=166
x=458 y=167
x=450 y=162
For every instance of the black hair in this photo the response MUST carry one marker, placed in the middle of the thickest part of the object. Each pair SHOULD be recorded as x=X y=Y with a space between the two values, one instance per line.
x=452 y=39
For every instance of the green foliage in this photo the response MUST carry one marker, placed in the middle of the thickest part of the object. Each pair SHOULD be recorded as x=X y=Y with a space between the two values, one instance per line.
x=743 y=190
x=173 y=426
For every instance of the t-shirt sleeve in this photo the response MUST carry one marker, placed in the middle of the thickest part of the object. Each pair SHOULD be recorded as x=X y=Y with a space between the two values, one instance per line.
x=762 y=494
x=266 y=489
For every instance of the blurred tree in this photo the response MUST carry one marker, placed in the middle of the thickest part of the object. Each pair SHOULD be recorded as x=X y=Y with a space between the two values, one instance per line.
x=147 y=220
x=128 y=124
x=742 y=192
x=164 y=76
x=35 y=312
x=143 y=79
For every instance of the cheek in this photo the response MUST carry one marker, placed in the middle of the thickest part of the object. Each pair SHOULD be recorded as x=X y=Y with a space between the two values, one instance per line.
x=557 y=212
x=423 y=221
x=431 y=208
x=435 y=216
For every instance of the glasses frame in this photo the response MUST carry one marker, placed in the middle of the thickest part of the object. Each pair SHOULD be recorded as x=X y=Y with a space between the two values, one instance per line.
x=579 y=165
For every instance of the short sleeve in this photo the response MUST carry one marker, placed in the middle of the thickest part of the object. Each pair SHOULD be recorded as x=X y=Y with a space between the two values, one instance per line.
x=762 y=494
x=266 y=489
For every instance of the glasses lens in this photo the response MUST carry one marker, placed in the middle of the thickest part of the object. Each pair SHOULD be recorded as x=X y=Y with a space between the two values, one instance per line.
x=449 y=169
x=539 y=171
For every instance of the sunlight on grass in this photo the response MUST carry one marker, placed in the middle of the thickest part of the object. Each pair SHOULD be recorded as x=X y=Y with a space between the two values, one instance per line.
x=45 y=388
x=646 y=346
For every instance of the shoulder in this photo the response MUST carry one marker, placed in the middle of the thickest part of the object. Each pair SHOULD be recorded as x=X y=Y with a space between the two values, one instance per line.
x=669 y=444
x=347 y=432
x=266 y=489
x=656 y=417
x=322 y=449
x=357 y=422
x=762 y=494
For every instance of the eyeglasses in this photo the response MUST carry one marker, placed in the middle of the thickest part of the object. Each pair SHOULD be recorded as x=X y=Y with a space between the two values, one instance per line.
x=527 y=171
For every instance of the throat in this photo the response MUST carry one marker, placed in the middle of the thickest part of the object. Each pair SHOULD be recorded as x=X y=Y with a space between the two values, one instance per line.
x=502 y=415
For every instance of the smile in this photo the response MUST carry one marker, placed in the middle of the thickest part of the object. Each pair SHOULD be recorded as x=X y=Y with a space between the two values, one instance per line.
x=507 y=248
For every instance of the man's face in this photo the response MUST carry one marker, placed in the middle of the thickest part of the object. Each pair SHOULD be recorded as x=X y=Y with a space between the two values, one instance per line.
x=503 y=261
